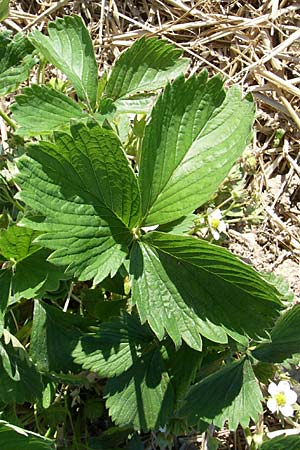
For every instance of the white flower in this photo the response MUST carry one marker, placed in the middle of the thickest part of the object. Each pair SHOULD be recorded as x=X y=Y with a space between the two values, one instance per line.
x=282 y=398
x=215 y=222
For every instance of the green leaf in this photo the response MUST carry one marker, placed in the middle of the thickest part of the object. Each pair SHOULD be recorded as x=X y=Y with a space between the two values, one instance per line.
x=146 y=66
x=108 y=351
x=4 y=9
x=86 y=196
x=231 y=394
x=20 y=380
x=284 y=338
x=54 y=336
x=138 y=391
x=41 y=110
x=16 y=438
x=282 y=443
x=16 y=244
x=183 y=366
x=5 y=285
x=69 y=47
x=16 y=62
x=195 y=134
x=216 y=294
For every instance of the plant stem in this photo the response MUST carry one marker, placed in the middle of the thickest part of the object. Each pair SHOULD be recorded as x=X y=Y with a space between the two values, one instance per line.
x=10 y=122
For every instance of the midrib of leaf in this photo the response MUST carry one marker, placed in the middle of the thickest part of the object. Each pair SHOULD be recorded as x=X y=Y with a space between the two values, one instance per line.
x=53 y=34
x=187 y=264
x=178 y=143
x=82 y=187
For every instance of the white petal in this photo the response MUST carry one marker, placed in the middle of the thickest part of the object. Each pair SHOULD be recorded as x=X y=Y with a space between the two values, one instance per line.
x=216 y=214
x=215 y=234
x=273 y=389
x=287 y=410
x=272 y=405
x=284 y=386
x=291 y=397
x=222 y=226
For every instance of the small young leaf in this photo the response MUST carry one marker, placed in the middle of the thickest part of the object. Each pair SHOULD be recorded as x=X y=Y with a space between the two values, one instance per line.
x=16 y=62
x=16 y=244
x=215 y=294
x=41 y=110
x=16 y=438
x=146 y=66
x=195 y=134
x=231 y=394
x=138 y=391
x=284 y=338
x=84 y=187
x=69 y=47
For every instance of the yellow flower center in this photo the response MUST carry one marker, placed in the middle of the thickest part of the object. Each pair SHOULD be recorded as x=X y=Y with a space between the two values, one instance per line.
x=215 y=223
x=280 y=399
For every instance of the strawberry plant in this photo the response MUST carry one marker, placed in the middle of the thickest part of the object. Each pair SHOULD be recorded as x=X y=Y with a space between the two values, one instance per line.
x=98 y=274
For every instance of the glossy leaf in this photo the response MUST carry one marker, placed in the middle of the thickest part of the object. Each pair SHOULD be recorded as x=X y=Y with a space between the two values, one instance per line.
x=69 y=47
x=284 y=338
x=54 y=336
x=231 y=394
x=86 y=196
x=146 y=66
x=138 y=391
x=195 y=134
x=16 y=62
x=16 y=438
x=41 y=110
x=188 y=288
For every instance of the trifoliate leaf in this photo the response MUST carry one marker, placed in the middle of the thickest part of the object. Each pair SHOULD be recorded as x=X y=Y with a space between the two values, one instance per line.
x=54 y=336
x=86 y=196
x=16 y=438
x=189 y=287
x=33 y=275
x=41 y=110
x=20 y=380
x=146 y=66
x=231 y=394
x=138 y=391
x=16 y=62
x=69 y=47
x=195 y=134
x=284 y=338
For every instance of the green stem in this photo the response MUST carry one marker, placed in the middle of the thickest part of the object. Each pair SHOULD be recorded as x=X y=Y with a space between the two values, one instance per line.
x=10 y=122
